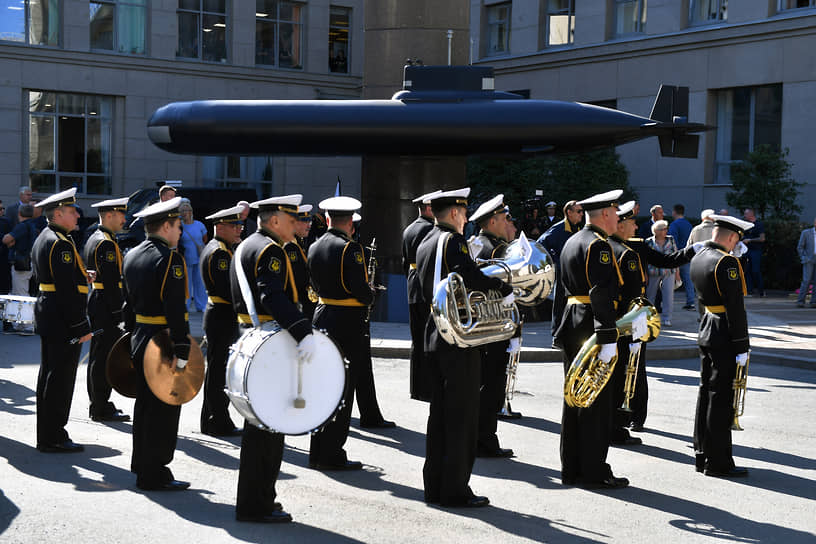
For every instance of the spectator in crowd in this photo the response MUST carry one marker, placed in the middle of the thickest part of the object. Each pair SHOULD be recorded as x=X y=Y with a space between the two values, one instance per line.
x=5 y=266
x=662 y=278
x=807 y=255
x=13 y=211
x=680 y=229
x=645 y=230
x=723 y=211
x=193 y=240
x=702 y=232
x=532 y=223
x=20 y=241
x=550 y=218
x=755 y=240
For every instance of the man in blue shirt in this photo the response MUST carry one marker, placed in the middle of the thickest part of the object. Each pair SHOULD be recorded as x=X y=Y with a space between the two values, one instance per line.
x=680 y=229
x=755 y=240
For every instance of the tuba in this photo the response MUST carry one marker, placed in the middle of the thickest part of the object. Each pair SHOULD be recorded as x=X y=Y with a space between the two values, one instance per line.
x=587 y=374
x=467 y=319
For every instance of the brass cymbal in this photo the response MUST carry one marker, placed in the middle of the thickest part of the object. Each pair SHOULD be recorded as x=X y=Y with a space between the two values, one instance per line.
x=119 y=368
x=169 y=384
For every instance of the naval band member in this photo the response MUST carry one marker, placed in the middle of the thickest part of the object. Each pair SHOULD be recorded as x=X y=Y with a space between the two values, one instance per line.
x=338 y=271
x=412 y=236
x=264 y=263
x=591 y=281
x=296 y=251
x=220 y=321
x=155 y=287
x=102 y=255
x=633 y=254
x=59 y=317
x=453 y=420
x=719 y=282
x=491 y=217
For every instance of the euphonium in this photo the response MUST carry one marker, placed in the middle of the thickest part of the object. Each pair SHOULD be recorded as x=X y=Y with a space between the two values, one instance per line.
x=526 y=266
x=740 y=384
x=588 y=375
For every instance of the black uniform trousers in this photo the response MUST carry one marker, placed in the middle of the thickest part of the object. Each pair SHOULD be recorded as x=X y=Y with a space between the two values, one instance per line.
x=155 y=423
x=222 y=332
x=585 y=434
x=55 y=388
x=491 y=395
x=637 y=404
x=421 y=386
x=346 y=326
x=261 y=457
x=715 y=409
x=366 y=391
x=99 y=390
x=453 y=424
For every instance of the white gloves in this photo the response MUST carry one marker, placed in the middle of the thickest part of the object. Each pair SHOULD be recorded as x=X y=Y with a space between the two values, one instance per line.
x=698 y=246
x=634 y=348
x=515 y=345
x=607 y=352
x=306 y=348
x=739 y=250
x=509 y=299
x=181 y=363
x=742 y=359
x=639 y=327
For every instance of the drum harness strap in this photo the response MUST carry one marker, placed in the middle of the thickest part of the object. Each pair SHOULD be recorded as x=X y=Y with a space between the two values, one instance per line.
x=246 y=292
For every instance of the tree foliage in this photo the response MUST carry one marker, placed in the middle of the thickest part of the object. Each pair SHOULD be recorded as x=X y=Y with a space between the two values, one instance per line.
x=764 y=183
x=560 y=177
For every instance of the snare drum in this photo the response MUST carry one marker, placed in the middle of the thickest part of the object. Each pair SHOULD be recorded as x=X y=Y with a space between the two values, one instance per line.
x=262 y=380
x=18 y=310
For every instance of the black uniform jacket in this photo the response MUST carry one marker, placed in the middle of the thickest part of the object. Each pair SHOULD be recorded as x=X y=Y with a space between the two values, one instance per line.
x=61 y=305
x=300 y=268
x=720 y=284
x=493 y=247
x=155 y=286
x=214 y=264
x=589 y=272
x=272 y=282
x=102 y=254
x=633 y=255
x=337 y=267
x=455 y=258
x=412 y=236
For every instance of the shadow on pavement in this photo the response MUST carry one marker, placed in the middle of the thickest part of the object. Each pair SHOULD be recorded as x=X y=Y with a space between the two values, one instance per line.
x=8 y=511
x=709 y=521
x=13 y=396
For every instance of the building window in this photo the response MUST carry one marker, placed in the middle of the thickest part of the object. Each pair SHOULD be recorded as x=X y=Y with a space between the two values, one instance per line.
x=118 y=25
x=69 y=142
x=339 y=24
x=558 y=25
x=279 y=33
x=795 y=4
x=708 y=11
x=746 y=117
x=202 y=30
x=239 y=172
x=34 y=22
x=630 y=17
x=498 y=29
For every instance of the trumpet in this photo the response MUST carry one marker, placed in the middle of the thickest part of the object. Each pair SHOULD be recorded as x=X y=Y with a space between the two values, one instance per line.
x=740 y=384
x=510 y=386
x=631 y=377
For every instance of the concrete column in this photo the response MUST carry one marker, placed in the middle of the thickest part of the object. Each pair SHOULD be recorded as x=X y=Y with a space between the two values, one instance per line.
x=394 y=31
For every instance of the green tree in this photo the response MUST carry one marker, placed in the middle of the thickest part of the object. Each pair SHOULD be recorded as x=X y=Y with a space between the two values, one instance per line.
x=764 y=183
x=559 y=177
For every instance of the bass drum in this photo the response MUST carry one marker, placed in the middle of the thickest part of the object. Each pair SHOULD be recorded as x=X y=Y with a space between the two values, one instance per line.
x=263 y=374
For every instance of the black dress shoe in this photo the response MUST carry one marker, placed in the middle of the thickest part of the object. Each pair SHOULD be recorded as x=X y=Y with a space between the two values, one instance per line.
x=276 y=516
x=234 y=431
x=736 y=472
x=628 y=441
x=498 y=452
x=636 y=427
x=172 y=485
x=116 y=415
x=381 y=424
x=348 y=465
x=61 y=447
